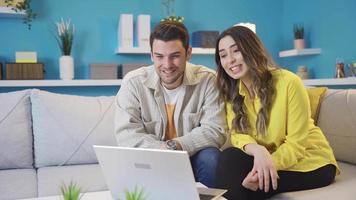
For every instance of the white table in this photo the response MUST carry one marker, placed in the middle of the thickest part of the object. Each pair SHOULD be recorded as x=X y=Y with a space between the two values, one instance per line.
x=103 y=195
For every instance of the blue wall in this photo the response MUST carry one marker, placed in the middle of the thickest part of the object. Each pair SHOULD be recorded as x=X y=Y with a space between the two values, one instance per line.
x=96 y=26
x=329 y=25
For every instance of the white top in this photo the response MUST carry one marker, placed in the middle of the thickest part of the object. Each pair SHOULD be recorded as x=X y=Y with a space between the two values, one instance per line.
x=172 y=96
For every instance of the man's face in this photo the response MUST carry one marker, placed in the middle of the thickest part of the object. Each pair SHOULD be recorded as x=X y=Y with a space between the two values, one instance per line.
x=170 y=59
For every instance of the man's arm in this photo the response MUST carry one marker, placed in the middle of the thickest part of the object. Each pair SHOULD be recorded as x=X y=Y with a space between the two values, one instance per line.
x=129 y=128
x=211 y=129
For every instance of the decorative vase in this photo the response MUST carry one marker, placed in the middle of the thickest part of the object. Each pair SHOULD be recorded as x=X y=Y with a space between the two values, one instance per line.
x=299 y=44
x=66 y=67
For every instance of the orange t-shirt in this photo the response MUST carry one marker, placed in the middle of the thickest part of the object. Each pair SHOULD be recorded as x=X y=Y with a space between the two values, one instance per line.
x=171 y=97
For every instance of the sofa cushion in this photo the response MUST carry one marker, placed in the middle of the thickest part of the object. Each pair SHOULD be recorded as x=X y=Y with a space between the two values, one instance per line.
x=315 y=95
x=66 y=127
x=88 y=177
x=337 y=120
x=18 y=184
x=15 y=130
x=343 y=188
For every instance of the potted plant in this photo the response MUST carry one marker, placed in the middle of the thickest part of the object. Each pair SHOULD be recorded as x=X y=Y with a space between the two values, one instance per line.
x=298 y=30
x=64 y=37
x=169 y=11
x=22 y=5
x=137 y=194
x=71 y=191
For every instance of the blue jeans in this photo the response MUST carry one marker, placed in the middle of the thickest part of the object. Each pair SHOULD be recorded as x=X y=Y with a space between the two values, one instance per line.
x=204 y=164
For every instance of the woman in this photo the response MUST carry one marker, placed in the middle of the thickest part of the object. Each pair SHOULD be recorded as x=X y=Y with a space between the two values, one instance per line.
x=276 y=146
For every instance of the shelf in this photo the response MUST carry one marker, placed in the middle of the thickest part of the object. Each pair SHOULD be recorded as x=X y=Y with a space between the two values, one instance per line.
x=138 y=50
x=59 y=83
x=299 y=52
x=132 y=50
x=8 y=12
x=203 y=51
x=117 y=82
x=330 y=82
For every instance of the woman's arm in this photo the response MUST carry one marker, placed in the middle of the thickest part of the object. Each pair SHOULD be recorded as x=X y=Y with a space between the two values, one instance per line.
x=263 y=166
x=298 y=124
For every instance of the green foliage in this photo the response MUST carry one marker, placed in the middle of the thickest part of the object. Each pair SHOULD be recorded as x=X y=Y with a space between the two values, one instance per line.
x=298 y=30
x=24 y=5
x=64 y=36
x=173 y=18
x=169 y=11
x=137 y=194
x=71 y=192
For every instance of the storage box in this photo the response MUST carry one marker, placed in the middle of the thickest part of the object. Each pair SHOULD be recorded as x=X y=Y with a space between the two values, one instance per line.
x=26 y=57
x=103 y=71
x=205 y=39
x=24 y=71
x=127 y=67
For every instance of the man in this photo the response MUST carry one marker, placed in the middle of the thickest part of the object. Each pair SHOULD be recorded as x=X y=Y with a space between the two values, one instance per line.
x=173 y=104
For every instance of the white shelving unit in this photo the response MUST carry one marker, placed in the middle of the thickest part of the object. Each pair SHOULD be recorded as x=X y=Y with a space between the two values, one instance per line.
x=117 y=82
x=299 y=52
x=59 y=83
x=330 y=82
x=138 y=50
x=8 y=12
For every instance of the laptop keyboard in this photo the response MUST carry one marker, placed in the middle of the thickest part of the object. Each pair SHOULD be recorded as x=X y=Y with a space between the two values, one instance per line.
x=205 y=197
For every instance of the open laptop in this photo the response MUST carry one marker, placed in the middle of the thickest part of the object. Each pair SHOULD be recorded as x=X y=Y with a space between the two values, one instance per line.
x=161 y=174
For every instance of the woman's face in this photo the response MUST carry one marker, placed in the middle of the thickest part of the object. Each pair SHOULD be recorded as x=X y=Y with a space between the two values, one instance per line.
x=231 y=58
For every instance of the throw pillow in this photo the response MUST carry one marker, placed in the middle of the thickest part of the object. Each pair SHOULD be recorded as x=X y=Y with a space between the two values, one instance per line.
x=65 y=127
x=337 y=121
x=15 y=130
x=316 y=95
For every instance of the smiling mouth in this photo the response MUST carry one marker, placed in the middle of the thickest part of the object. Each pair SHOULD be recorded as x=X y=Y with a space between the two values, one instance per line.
x=168 y=72
x=236 y=68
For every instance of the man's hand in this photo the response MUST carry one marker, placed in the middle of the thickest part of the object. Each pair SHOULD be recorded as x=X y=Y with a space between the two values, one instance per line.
x=263 y=166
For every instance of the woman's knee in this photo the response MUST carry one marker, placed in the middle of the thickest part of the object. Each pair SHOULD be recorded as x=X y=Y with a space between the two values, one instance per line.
x=234 y=154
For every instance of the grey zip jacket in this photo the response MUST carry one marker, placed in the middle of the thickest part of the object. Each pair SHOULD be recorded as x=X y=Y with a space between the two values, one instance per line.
x=141 y=119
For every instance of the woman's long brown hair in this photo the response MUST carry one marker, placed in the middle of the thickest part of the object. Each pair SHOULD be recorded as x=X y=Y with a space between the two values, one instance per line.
x=257 y=59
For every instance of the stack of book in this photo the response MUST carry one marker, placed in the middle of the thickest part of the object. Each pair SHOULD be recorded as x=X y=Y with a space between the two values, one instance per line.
x=25 y=68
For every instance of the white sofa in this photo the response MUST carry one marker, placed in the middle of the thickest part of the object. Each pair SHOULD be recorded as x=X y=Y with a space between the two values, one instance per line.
x=46 y=140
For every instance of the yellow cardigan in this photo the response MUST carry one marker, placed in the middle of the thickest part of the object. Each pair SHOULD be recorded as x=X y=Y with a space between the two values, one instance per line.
x=295 y=143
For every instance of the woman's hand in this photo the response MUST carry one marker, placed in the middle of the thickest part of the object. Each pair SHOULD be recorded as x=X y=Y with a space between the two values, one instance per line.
x=251 y=181
x=263 y=166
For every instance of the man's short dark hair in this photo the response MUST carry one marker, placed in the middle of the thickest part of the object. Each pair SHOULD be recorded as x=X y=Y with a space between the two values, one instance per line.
x=170 y=30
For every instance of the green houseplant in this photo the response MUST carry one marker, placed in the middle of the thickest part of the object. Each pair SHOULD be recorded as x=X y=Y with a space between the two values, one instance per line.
x=137 y=194
x=169 y=11
x=298 y=30
x=23 y=5
x=64 y=37
x=71 y=191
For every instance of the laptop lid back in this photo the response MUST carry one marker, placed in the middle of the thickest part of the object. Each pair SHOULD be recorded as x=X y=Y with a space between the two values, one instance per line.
x=161 y=174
